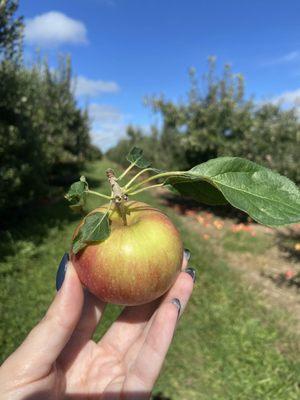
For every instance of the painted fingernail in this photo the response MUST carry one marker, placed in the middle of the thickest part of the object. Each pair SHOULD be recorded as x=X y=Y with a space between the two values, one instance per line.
x=61 y=272
x=187 y=254
x=192 y=272
x=177 y=304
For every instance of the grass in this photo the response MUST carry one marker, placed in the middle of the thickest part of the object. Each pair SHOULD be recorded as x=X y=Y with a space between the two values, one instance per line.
x=242 y=242
x=227 y=345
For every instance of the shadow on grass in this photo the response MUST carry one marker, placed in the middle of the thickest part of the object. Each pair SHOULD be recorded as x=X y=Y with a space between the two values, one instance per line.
x=31 y=223
x=287 y=241
x=182 y=204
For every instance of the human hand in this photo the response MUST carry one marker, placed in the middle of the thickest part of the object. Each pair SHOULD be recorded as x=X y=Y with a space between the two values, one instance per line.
x=59 y=359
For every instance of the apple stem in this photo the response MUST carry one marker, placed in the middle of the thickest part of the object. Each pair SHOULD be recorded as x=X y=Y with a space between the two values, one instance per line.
x=122 y=211
x=115 y=187
x=119 y=197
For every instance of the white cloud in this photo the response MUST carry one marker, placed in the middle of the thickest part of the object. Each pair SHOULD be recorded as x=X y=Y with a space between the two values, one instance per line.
x=289 y=98
x=108 y=125
x=284 y=59
x=54 y=28
x=108 y=136
x=89 y=87
x=104 y=113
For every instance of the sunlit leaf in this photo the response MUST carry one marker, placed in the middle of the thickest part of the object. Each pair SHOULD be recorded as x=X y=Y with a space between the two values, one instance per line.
x=136 y=157
x=77 y=194
x=94 y=229
x=77 y=190
x=266 y=196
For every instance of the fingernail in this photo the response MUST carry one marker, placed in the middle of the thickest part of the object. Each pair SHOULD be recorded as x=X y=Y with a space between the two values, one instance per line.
x=192 y=272
x=177 y=304
x=61 y=272
x=187 y=254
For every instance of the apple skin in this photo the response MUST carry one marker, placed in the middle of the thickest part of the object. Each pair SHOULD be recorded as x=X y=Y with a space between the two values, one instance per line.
x=138 y=262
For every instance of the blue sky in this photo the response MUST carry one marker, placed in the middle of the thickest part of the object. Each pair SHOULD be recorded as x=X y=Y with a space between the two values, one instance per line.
x=123 y=50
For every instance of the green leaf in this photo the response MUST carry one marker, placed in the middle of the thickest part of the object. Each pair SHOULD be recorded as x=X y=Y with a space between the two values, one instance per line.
x=77 y=194
x=94 y=229
x=83 y=179
x=78 y=244
x=77 y=190
x=172 y=188
x=201 y=191
x=79 y=206
x=266 y=196
x=135 y=156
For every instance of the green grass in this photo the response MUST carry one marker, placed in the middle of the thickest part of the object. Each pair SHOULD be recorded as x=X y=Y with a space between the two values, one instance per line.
x=227 y=345
x=242 y=242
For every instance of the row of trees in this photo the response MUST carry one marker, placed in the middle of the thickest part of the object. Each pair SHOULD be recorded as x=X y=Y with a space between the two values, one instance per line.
x=44 y=136
x=218 y=120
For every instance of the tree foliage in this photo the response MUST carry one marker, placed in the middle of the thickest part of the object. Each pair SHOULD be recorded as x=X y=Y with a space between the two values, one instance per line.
x=44 y=135
x=11 y=30
x=218 y=120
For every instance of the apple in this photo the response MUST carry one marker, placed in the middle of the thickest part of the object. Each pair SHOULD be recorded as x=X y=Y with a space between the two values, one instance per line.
x=137 y=263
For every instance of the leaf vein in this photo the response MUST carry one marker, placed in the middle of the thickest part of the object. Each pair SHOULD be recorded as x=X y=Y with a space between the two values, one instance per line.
x=257 y=195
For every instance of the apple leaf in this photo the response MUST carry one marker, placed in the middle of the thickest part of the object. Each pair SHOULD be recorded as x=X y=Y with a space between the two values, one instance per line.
x=94 y=229
x=77 y=194
x=77 y=189
x=78 y=244
x=266 y=196
x=136 y=157
x=201 y=191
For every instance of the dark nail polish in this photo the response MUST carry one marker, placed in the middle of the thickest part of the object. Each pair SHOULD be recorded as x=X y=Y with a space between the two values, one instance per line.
x=192 y=272
x=187 y=254
x=177 y=304
x=61 y=272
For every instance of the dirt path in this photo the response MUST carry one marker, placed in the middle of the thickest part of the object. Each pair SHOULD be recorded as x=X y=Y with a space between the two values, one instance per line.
x=267 y=258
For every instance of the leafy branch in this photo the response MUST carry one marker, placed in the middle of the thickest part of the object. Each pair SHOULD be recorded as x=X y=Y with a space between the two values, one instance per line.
x=269 y=198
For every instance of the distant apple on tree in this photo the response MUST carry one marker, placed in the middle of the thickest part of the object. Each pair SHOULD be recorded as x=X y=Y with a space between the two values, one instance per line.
x=128 y=253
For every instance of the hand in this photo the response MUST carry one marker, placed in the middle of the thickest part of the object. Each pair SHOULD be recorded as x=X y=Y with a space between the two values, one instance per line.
x=59 y=360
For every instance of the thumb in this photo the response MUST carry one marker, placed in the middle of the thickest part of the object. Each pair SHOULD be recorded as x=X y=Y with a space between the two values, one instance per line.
x=46 y=341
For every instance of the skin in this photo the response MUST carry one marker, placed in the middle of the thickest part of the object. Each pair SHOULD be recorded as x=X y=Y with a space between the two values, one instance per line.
x=59 y=359
x=138 y=262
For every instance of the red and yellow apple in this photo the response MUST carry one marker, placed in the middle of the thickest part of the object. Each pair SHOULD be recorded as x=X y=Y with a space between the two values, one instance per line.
x=137 y=263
